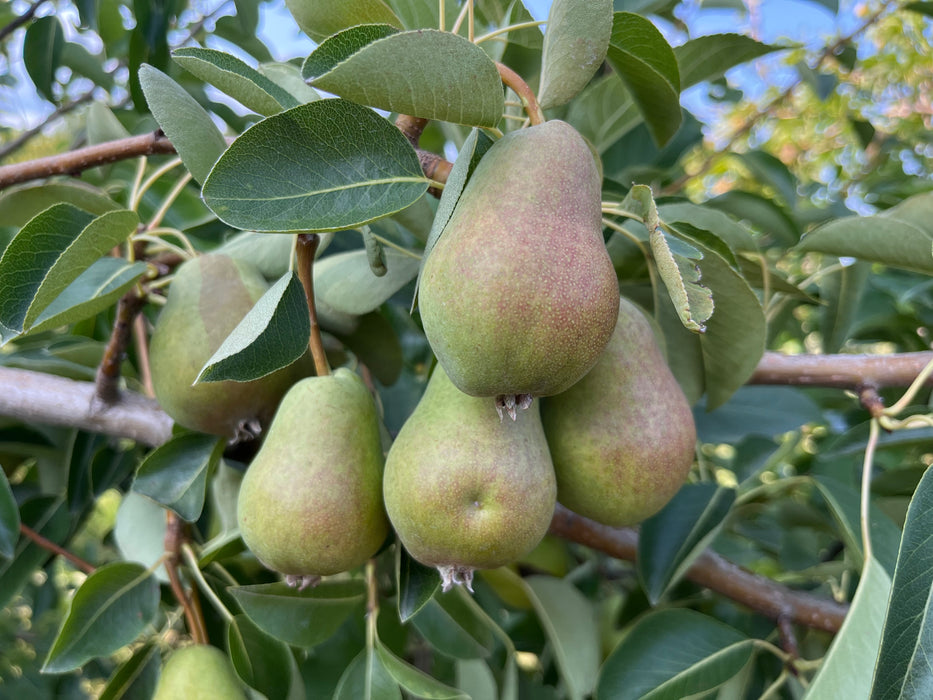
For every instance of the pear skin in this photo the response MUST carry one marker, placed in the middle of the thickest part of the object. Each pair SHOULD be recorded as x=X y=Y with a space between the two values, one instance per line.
x=464 y=489
x=199 y=672
x=518 y=296
x=209 y=296
x=310 y=503
x=622 y=438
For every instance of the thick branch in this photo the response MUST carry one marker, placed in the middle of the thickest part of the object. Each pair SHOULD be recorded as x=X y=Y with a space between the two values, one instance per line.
x=108 y=373
x=841 y=371
x=74 y=162
x=712 y=571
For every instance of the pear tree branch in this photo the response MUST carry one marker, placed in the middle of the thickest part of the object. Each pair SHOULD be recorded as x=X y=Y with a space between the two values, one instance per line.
x=50 y=546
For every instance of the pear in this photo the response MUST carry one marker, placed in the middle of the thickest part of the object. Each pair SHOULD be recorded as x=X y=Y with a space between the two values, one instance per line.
x=465 y=490
x=209 y=296
x=518 y=297
x=199 y=672
x=310 y=503
x=623 y=437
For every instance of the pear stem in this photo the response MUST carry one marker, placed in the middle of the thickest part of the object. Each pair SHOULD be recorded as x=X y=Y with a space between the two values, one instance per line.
x=306 y=247
x=525 y=93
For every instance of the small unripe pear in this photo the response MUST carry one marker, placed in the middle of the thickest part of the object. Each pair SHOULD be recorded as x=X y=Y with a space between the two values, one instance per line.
x=519 y=297
x=310 y=503
x=623 y=437
x=199 y=672
x=209 y=296
x=464 y=489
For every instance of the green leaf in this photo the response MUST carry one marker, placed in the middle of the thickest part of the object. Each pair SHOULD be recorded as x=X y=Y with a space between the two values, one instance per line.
x=137 y=677
x=903 y=669
x=42 y=52
x=736 y=236
x=367 y=679
x=262 y=662
x=413 y=680
x=761 y=212
x=20 y=204
x=288 y=76
x=756 y=410
x=300 y=618
x=648 y=67
x=452 y=627
x=569 y=621
x=604 y=112
x=272 y=335
x=681 y=275
x=670 y=541
x=323 y=166
x=192 y=131
x=269 y=252
x=82 y=62
x=416 y=584
x=342 y=46
x=139 y=532
x=673 y=654
x=847 y=667
x=709 y=57
x=175 y=474
x=842 y=294
x=111 y=608
x=96 y=289
x=232 y=76
x=50 y=518
x=475 y=678
x=424 y=73
x=375 y=343
x=9 y=518
x=345 y=283
x=575 y=46
x=321 y=18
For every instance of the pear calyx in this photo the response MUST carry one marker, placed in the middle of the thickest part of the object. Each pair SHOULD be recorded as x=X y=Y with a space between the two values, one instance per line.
x=508 y=403
x=454 y=575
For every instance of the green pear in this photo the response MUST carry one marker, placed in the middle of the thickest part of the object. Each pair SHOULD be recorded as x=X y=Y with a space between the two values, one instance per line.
x=623 y=437
x=209 y=296
x=199 y=672
x=465 y=490
x=518 y=297
x=311 y=500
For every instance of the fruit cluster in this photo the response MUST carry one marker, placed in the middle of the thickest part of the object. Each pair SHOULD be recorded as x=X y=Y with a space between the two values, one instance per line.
x=548 y=387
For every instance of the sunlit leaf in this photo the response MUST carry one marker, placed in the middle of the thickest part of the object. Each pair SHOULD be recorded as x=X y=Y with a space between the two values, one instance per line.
x=709 y=57
x=321 y=18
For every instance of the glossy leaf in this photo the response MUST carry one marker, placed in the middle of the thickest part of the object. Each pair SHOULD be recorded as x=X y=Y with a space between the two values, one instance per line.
x=42 y=52
x=846 y=670
x=569 y=621
x=647 y=65
x=575 y=46
x=9 y=518
x=300 y=618
x=232 y=76
x=321 y=18
x=681 y=275
x=137 y=677
x=367 y=679
x=709 y=57
x=190 y=128
x=413 y=680
x=139 y=532
x=756 y=410
x=903 y=669
x=272 y=335
x=673 y=654
x=111 y=608
x=425 y=73
x=670 y=541
x=19 y=204
x=323 y=166
x=345 y=283
x=175 y=474
x=453 y=629
x=260 y=661
x=416 y=582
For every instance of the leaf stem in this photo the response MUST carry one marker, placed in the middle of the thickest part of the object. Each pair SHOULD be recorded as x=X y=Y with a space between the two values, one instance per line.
x=911 y=392
x=525 y=93
x=506 y=30
x=306 y=246
x=47 y=544
x=191 y=560
x=169 y=200
x=873 y=433
x=146 y=185
x=395 y=246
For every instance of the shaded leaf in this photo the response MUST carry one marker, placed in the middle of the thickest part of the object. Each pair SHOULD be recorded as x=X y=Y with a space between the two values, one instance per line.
x=232 y=76
x=139 y=532
x=192 y=131
x=111 y=608
x=413 y=680
x=761 y=212
x=42 y=52
x=569 y=621
x=175 y=474
x=847 y=667
x=903 y=669
x=260 y=661
x=345 y=283
x=604 y=112
x=756 y=410
x=673 y=654
x=367 y=679
x=50 y=518
x=670 y=541
x=272 y=335
x=842 y=293
x=646 y=63
x=416 y=583
x=475 y=678
x=453 y=628
x=709 y=57
x=300 y=618
x=9 y=518
x=575 y=45
x=323 y=166
x=137 y=677
x=19 y=204
x=321 y=18
x=424 y=73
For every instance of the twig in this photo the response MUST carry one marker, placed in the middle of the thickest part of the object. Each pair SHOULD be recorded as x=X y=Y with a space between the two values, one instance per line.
x=21 y=20
x=841 y=371
x=306 y=247
x=108 y=373
x=23 y=138
x=525 y=93
x=46 y=543
x=77 y=161
x=711 y=571
x=174 y=540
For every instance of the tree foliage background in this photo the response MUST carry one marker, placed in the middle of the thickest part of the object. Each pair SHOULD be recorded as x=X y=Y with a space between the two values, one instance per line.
x=794 y=562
